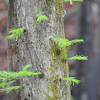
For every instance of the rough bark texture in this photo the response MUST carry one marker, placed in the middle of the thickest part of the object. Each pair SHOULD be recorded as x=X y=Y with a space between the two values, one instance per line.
x=35 y=47
x=9 y=26
x=11 y=95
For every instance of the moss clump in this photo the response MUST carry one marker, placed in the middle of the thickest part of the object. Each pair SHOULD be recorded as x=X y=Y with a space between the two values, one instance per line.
x=27 y=83
x=58 y=52
x=41 y=76
x=25 y=98
x=28 y=94
x=59 y=10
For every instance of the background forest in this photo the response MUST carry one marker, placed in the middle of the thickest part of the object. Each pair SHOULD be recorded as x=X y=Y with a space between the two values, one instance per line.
x=81 y=21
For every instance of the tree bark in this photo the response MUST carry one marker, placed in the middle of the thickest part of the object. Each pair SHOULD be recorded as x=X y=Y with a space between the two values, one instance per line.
x=9 y=26
x=97 y=55
x=35 y=47
x=11 y=95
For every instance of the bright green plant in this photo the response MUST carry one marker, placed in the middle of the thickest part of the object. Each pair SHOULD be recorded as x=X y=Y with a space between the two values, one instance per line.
x=41 y=17
x=9 y=89
x=6 y=78
x=3 y=83
x=62 y=42
x=71 y=80
x=78 y=58
x=17 y=33
x=73 y=0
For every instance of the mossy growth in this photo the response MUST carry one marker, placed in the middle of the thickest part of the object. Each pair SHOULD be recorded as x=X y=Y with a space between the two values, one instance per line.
x=53 y=86
x=58 y=54
x=59 y=9
x=27 y=83
x=25 y=98
x=41 y=76
x=28 y=94
x=54 y=7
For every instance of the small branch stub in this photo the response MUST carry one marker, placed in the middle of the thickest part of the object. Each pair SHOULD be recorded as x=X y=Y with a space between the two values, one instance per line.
x=71 y=3
x=64 y=13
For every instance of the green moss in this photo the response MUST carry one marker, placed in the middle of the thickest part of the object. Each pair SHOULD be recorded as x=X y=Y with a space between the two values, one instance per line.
x=58 y=53
x=53 y=85
x=41 y=76
x=16 y=18
x=28 y=94
x=59 y=10
x=27 y=83
x=25 y=98
x=14 y=12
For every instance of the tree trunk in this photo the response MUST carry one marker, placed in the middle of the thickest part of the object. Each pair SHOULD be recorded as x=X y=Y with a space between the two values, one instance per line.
x=86 y=68
x=11 y=95
x=35 y=47
x=97 y=55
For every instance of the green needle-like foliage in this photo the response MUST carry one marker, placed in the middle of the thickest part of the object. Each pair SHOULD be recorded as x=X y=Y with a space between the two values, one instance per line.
x=71 y=80
x=11 y=75
x=3 y=83
x=13 y=44
x=62 y=42
x=79 y=58
x=26 y=67
x=41 y=17
x=6 y=78
x=73 y=0
x=17 y=33
x=9 y=89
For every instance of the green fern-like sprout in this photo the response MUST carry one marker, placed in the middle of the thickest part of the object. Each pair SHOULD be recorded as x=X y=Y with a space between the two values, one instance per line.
x=26 y=67
x=41 y=17
x=12 y=75
x=77 y=58
x=10 y=89
x=3 y=83
x=62 y=42
x=17 y=33
x=72 y=0
x=71 y=80
x=6 y=78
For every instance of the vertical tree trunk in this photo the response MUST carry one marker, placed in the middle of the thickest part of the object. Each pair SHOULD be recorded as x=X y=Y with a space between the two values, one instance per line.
x=9 y=48
x=9 y=26
x=97 y=58
x=35 y=47
x=85 y=31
